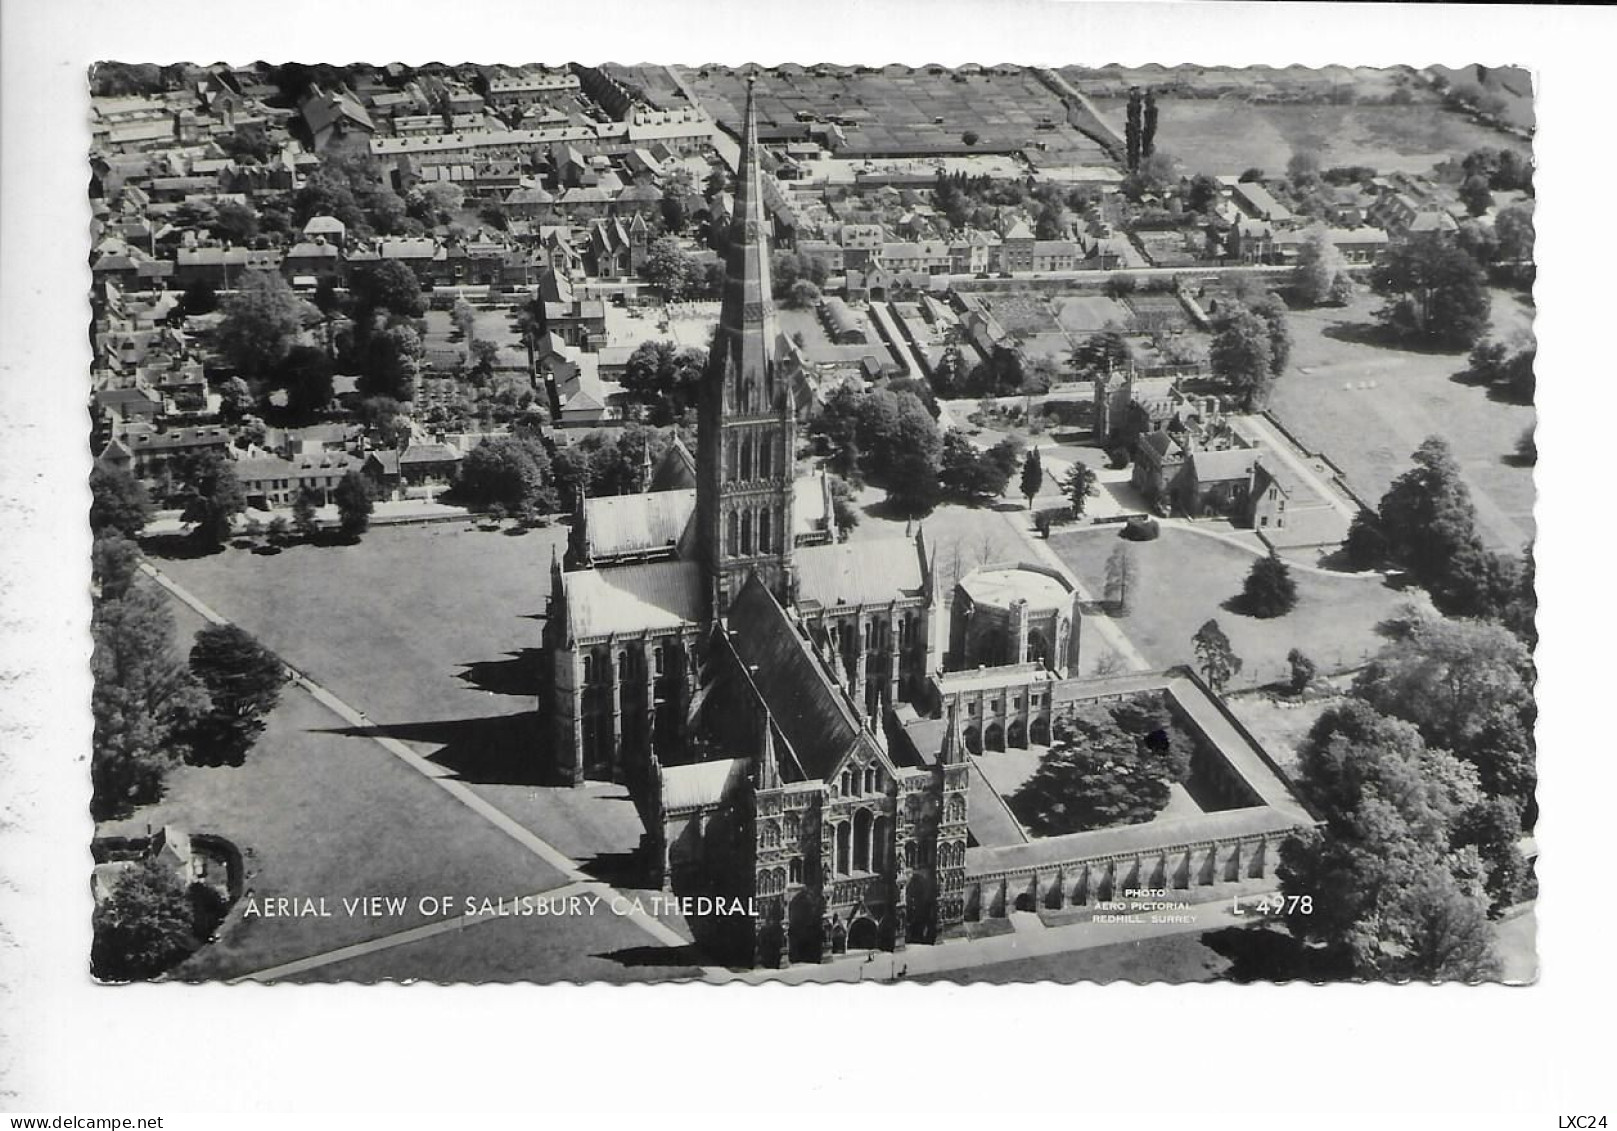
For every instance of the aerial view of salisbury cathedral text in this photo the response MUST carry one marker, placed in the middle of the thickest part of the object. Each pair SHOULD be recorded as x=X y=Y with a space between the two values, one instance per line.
x=657 y=523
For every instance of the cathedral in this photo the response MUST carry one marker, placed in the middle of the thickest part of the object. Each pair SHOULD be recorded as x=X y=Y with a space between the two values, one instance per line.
x=712 y=645
x=796 y=718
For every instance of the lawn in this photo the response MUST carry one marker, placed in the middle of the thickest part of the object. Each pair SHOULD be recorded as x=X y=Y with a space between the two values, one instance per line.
x=318 y=814
x=1227 y=135
x=601 y=947
x=433 y=632
x=1167 y=958
x=1368 y=406
x=1185 y=579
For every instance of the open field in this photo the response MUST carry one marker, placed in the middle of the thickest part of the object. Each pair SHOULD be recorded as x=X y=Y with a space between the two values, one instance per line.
x=602 y=947
x=1187 y=577
x=1227 y=135
x=318 y=814
x=898 y=108
x=1368 y=406
x=433 y=632
x=1168 y=958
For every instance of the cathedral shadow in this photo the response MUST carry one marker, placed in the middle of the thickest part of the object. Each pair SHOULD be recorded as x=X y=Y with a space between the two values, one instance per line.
x=518 y=674
x=618 y=869
x=654 y=956
x=494 y=750
x=1267 y=954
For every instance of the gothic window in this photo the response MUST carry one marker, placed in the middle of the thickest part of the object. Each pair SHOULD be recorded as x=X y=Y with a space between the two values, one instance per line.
x=771 y=835
x=909 y=854
x=879 y=834
x=746 y=532
x=746 y=457
x=657 y=659
x=733 y=537
x=870 y=778
x=844 y=843
x=763 y=458
x=764 y=544
x=861 y=840
x=791 y=827
x=589 y=669
x=794 y=870
x=847 y=783
x=957 y=808
x=623 y=665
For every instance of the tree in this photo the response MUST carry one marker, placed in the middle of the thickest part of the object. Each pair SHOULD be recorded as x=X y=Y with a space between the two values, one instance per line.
x=1270 y=589
x=114 y=565
x=1303 y=169
x=1080 y=485
x=1452 y=679
x=1513 y=228
x=1122 y=575
x=234 y=223
x=1302 y=671
x=279 y=531
x=1148 y=130
x=668 y=267
x=118 y=502
x=1240 y=357
x=844 y=504
x=261 y=323
x=1476 y=195
x=1120 y=284
x=908 y=464
x=1428 y=519
x=355 y=502
x=1435 y=290
x=804 y=295
x=390 y=361
x=1217 y=658
x=968 y=474
x=665 y=378
x=243 y=680
x=464 y=318
x=1132 y=129
x=970 y=137
x=1319 y=267
x=1096 y=775
x=308 y=377
x=303 y=516
x=199 y=298
x=144 y=705
x=213 y=497
x=1032 y=476
x=514 y=471
x=384 y=285
x=1494 y=828
x=1102 y=354
x=1204 y=192
x=144 y=927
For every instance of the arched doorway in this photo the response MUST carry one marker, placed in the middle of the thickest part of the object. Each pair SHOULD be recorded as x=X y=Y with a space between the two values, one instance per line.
x=974 y=742
x=994 y=737
x=1016 y=735
x=1038 y=648
x=918 y=903
x=1039 y=732
x=864 y=933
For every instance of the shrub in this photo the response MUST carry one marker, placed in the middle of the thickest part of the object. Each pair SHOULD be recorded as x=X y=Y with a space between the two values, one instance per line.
x=1141 y=529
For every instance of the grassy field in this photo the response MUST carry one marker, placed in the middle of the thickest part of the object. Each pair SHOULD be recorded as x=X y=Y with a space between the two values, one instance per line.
x=1186 y=578
x=576 y=948
x=1227 y=135
x=1368 y=406
x=318 y=814
x=433 y=632
x=1170 y=958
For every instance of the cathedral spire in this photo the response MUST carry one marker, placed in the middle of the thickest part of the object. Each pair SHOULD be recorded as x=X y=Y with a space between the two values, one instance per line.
x=747 y=422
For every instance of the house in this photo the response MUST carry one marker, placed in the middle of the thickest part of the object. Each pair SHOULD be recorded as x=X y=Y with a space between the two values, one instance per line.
x=326 y=229
x=424 y=468
x=150 y=454
x=270 y=481
x=1260 y=204
x=842 y=325
x=336 y=120
x=1215 y=482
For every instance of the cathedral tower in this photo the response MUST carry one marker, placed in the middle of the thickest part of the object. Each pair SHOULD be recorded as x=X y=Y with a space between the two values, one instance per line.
x=746 y=444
